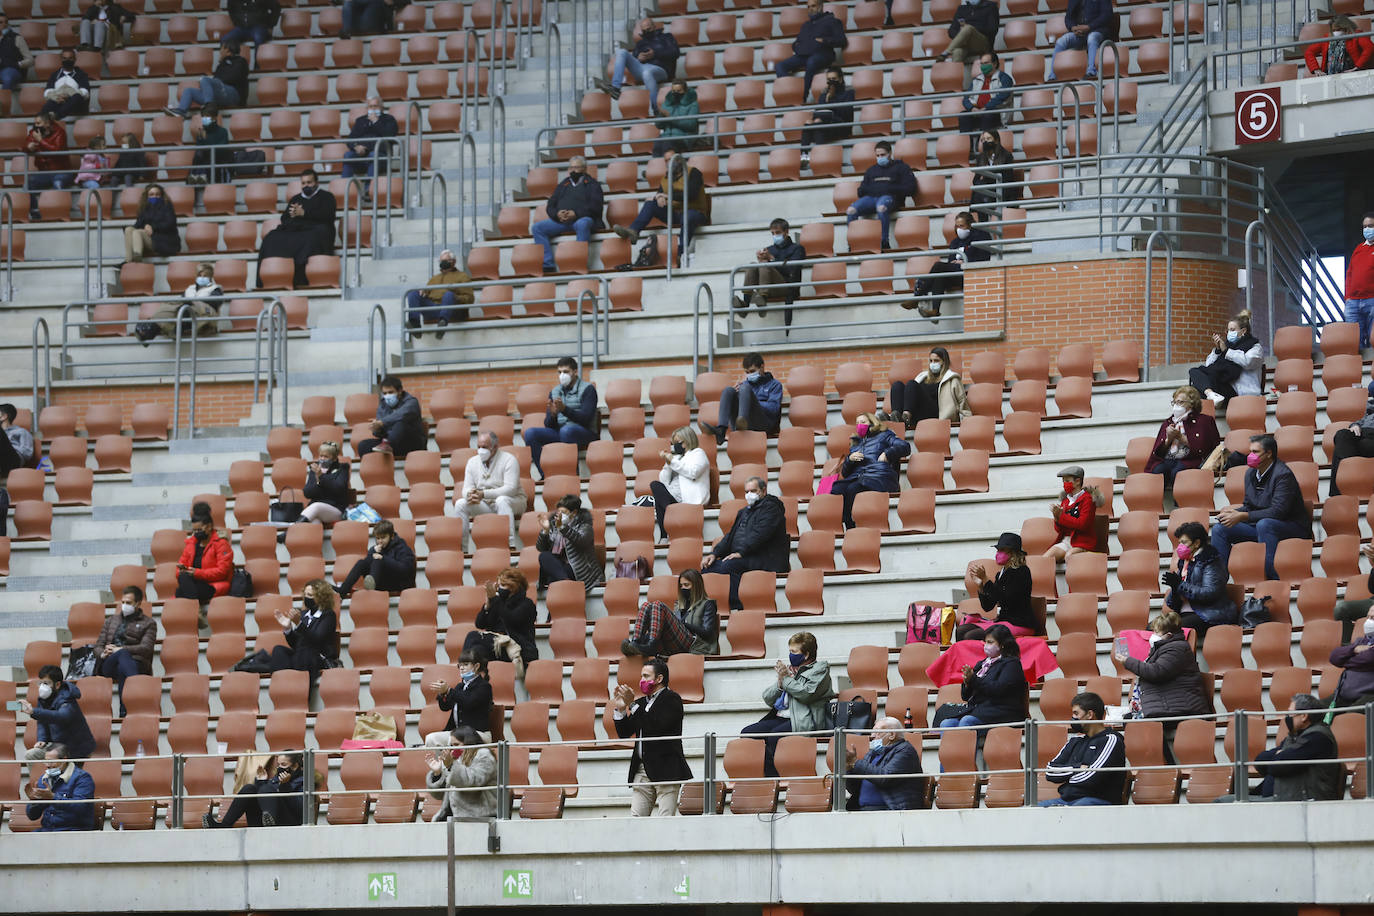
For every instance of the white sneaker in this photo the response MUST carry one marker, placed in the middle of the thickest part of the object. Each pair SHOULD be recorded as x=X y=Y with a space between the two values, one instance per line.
x=1216 y=398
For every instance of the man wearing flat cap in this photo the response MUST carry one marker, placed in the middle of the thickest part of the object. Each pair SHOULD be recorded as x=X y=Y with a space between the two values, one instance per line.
x=1074 y=517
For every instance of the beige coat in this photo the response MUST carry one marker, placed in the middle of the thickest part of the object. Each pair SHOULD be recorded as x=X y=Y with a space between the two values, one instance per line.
x=950 y=396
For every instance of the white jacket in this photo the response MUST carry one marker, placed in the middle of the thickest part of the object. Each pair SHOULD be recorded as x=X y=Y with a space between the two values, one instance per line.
x=688 y=477
x=1251 y=364
x=499 y=478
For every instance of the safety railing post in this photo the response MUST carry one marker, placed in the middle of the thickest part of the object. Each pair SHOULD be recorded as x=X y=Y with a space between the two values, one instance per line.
x=708 y=774
x=1368 y=748
x=1240 y=772
x=1032 y=752
x=308 y=785
x=1159 y=234
x=668 y=232
x=492 y=128
x=838 y=746
x=503 y=799
x=93 y=287
x=7 y=226
x=553 y=42
x=437 y=202
x=178 y=808
x=702 y=287
x=183 y=312
x=47 y=371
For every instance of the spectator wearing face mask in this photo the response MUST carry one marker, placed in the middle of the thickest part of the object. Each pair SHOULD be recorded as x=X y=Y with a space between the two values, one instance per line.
x=1352 y=610
x=437 y=302
x=468 y=702
x=1301 y=767
x=994 y=690
x=567 y=545
x=204 y=297
x=758 y=539
x=272 y=802
x=569 y=415
x=1186 y=439
x=125 y=644
x=691 y=625
x=680 y=180
x=398 y=422
x=678 y=128
x=206 y=563
x=992 y=171
x=875 y=453
x=491 y=484
x=1234 y=366
x=1340 y=53
x=312 y=635
x=651 y=61
x=1273 y=507
x=1356 y=684
x=95 y=166
x=1197 y=590
x=226 y=89
x=833 y=119
x=1090 y=768
x=890 y=757
x=1169 y=679
x=15 y=56
x=885 y=187
x=327 y=488
x=799 y=700
x=211 y=163
x=68 y=90
x=574 y=206
x=754 y=402
x=1009 y=591
x=374 y=125
x=657 y=767
x=1359 y=282
x=937 y=392
x=948 y=273
x=684 y=478
x=1075 y=516
x=389 y=566
x=65 y=782
x=306 y=228
x=49 y=165
x=58 y=718
x=983 y=107
x=462 y=773
x=505 y=624
x=131 y=167
x=821 y=37
x=778 y=264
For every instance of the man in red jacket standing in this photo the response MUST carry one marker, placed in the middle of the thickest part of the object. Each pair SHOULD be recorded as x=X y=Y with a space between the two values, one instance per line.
x=1359 y=282
x=206 y=563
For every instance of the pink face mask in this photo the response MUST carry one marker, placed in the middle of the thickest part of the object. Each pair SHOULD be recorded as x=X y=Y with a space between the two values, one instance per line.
x=1253 y=459
x=1183 y=551
x=1001 y=557
x=861 y=429
x=646 y=686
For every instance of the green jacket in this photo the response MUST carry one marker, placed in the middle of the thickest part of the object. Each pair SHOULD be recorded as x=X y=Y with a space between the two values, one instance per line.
x=682 y=111
x=809 y=693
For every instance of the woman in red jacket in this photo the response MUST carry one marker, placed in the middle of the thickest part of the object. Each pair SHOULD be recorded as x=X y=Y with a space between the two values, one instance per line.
x=1074 y=517
x=1340 y=53
x=206 y=563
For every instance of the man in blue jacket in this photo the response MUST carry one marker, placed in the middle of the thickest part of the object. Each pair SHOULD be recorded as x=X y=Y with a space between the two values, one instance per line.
x=375 y=124
x=1273 y=508
x=570 y=415
x=886 y=186
x=889 y=756
x=1089 y=22
x=65 y=782
x=754 y=403
x=777 y=264
x=574 y=206
x=652 y=62
x=58 y=716
x=815 y=46
x=398 y=421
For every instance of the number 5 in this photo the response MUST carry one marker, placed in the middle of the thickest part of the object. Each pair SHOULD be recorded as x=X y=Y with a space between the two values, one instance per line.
x=1259 y=117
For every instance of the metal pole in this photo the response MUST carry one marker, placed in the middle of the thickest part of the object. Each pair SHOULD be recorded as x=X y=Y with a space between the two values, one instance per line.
x=503 y=781
x=452 y=864
x=371 y=322
x=176 y=815
x=1240 y=769
x=1032 y=752
x=668 y=189
x=1368 y=748
x=47 y=371
x=308 y=784
x=708 y=777
x=837 y=743
x=1168 y=294
x=1250 y=276
x=7 y=220
x=553 y=44
x=437 y=177
x=703 y=286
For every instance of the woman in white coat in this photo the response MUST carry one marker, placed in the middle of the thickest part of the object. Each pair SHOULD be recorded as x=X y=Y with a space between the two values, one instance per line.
x=685 y=477
x=938 y=392
x=1234 y=366
x=462 y=771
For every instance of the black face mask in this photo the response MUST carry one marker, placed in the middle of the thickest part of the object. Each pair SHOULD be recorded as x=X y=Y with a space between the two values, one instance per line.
x=201 y=535
x=1076 y=727
x=834 y=84
x=310 y=605
x=685 y=594
x=68 y=65
x=446 y=265
x=1288 y=720
x=679 y=448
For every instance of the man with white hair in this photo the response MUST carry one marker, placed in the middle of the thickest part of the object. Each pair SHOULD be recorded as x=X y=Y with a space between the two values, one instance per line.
x=890 y=757
x=574 y=206
x=491 y=483
x=374 y=125
x=437 y=300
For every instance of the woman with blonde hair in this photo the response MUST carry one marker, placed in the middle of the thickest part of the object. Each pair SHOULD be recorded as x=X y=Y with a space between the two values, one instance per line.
x=326 y=486
x=1234 y=366
x=871 y=465
x=1185 y=439
x=1009 y=592
x=936 y=392
x=312 y=634
x=685 y=477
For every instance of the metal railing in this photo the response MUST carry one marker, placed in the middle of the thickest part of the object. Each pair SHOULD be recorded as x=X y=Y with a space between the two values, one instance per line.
x=275 y=318
x=7 y=234
x=92 y=288
x=493 y=128
x=1221 y=73
x=46 y=350
x=373 y=328
x=467 y=193
x=589 y=306
x=438 y=202
x=1016 y=772
x=1159 y=235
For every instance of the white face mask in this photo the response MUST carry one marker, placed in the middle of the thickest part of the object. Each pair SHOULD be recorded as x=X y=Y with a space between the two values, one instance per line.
x=991 y=649
x=962 y=233
x=44 y=691
x=484 y=454
x=374 y=113
x=565 y=379
x=53 y=772
x=1178 y=412
x=751 y=497
x=1154 y=638
x=875 y=744
x=127 y=609
x=1368 y=626
x=935 y=367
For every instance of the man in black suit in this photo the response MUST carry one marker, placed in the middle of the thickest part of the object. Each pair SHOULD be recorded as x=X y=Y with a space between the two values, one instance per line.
x=656 y=714
x=757 y=540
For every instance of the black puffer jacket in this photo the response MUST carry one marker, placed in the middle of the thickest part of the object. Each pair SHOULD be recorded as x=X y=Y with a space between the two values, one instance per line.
x=1170 y=682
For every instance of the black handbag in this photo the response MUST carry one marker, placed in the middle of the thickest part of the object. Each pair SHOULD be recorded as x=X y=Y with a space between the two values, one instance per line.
x=949 y=711
x=853 y=715
x=284 y=510
x=241 y=583
x=1253 y=612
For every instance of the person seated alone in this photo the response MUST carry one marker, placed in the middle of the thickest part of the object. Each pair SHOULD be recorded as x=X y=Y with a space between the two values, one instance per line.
x=890 y=756
x=754 y=402
x=389 y=566
x=273 y=801
x=678 y=127
x=212 y=164
x=1075 y=517
x=374 y=125
x=757 y=540
x=126 y=642
x=312 y=635
x=16 y=445
x=491 y=484
x=1088 y=23
x=437 y=302
x=1273 y=507
x=68 y=90
x=203 y=297
x=468 y=702
x=58 y=718
x=1340 y=53
x=1301 y=766
x=670 y=195
x=652 y=61
x=972 y=31
x=886 y=185
x=206 y=563
x=820 y=38
x=948 y=272
x=306 y=229
x=984 y=106
x=833 y=119
x=692 y=625
x=228 y=88
x=63 y=781
x=569 y=415
x=1355 y=687
x=574 y=206
x=778 y=270
x=327 y=488
x=504 y=628
x=462 y=773
x=1197 y=590
x=567 y=545
x=1090 y=768
x=398 y=423
x=15 y=56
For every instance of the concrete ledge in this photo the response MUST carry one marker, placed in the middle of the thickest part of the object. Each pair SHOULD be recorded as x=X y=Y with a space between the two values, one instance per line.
x=1262 y=854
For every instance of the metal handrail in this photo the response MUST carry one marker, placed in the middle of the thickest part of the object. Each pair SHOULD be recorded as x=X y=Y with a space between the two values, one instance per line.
x=183 y=311
x=276 y=351
x=86 y=241
x=1220 y=74
x=415 y=115
x=492 y=161
x=1157 y=235
x=553 y=40
x=1269 y=270
x=1100 y=105
x=467 y=196
x=440 y=203
x=710 y=329
x=470 y=111
x=47 y=371
x=7 y=231
x=353 y=203
x=372 y=375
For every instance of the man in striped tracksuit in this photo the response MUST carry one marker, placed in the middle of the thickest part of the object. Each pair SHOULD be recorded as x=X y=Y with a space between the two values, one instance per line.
x=1090 y=768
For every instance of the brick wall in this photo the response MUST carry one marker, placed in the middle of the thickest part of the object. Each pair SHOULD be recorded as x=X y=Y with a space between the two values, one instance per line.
x=1093 y=299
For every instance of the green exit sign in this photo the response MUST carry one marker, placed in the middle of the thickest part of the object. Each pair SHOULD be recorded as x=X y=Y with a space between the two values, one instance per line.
x=516 y=883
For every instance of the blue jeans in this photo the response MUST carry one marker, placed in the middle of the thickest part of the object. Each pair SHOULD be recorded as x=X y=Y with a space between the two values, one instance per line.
x=1360 y=311
x=211 y=92
x=541 y=436
x=546 y=229
x=962 y=721
x=420 y=308
x=1069 y=41
x=867 y=206
x=743 y=405
x=351 y=167
x=117 y=667
x=1085 y=802
x=1268 y=531
x=813 y=64
x=11 y=77
x=651 y=211
x=46 y=181
x=650 y=75
x=247 y=34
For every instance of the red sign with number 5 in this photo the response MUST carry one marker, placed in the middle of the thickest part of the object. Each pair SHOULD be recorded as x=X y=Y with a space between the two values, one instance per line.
x=1258 y=116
